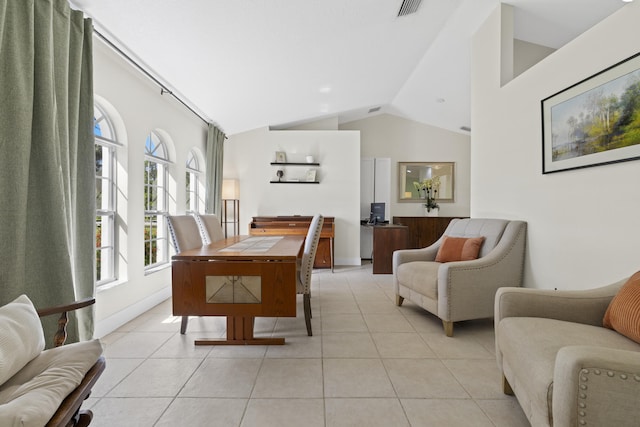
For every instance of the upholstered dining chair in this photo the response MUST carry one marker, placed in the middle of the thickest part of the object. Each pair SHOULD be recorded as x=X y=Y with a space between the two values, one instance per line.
x=303 y=285
x=210 y=228
x=185 y=235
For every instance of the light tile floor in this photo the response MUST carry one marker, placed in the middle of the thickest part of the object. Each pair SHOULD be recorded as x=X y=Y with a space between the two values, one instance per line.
x=369 y=363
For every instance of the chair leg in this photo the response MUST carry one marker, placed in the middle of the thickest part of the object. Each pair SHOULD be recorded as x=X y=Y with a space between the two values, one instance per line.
x=306 y=299
x=183 y=325
x=448 y=328
x=506 y=387
x=399 y=300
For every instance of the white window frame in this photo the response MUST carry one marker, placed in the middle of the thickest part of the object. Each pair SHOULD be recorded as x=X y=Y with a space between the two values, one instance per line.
x=193 y=175
x=156 y=218
x=106 y=211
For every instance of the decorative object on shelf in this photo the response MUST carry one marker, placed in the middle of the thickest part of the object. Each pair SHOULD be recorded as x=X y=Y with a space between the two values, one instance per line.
x=309 y=159
x=230 y=219
x=592 y=122
x=280 y=174
x=281 y=157
x=311 y=175
x=413 y=175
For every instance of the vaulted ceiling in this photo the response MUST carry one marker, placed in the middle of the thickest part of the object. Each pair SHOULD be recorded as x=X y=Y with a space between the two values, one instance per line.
x=244 y=64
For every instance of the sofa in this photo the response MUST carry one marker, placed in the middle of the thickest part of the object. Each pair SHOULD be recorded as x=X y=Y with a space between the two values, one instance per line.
x=41 y=387
x=457 y=277
x=562 y=364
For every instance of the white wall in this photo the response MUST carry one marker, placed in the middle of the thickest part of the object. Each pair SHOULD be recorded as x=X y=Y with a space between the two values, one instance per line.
x=583 y=224
x=141 y=109
x=247 y=156
x=403 y=140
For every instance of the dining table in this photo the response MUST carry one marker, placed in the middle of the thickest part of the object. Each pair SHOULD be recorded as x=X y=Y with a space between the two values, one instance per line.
x=240 y=277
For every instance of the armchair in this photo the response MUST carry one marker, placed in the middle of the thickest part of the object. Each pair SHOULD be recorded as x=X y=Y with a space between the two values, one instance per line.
x=44 y=387
x=564 y=367
x=462 y=290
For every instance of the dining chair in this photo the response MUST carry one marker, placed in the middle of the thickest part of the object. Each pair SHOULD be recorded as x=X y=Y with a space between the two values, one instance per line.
x=210 y=228
x=185 y=235
x=303 y=285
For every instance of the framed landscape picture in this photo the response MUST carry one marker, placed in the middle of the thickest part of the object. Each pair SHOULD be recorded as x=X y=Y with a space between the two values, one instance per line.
x=594 y=122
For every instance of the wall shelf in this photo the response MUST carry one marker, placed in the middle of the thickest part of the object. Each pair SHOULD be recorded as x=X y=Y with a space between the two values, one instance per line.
x=293 y=164
x=294 y=182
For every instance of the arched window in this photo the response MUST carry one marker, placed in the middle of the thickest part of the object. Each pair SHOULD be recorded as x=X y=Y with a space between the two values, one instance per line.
x=194 y=172
x=155 y=201
x=105 y=147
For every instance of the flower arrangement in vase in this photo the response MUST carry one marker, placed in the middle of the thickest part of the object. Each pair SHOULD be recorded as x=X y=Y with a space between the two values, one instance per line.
x=428 y=190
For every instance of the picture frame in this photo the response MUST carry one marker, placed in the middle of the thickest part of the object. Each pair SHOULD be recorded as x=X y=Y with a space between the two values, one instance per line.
x=281 y=157
x=595 y=121
x=311 y=175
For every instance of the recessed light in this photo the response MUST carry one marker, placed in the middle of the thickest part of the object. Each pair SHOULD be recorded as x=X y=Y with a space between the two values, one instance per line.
x=627 y=1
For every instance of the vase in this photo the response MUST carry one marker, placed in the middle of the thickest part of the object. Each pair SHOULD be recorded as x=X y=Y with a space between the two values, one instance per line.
x=432 y=212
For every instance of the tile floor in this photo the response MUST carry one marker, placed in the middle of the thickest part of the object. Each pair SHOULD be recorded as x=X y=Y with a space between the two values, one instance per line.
x=369 y=363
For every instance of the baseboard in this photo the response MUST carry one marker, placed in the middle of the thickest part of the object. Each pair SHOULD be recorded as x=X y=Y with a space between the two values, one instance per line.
x=347 y=261
x=113 y=322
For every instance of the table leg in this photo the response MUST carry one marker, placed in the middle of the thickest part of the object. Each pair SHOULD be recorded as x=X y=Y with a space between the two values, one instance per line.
x=240 y=332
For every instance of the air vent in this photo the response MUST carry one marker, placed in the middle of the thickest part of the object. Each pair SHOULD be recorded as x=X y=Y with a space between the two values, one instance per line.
x=408 y=7
x=374 y=109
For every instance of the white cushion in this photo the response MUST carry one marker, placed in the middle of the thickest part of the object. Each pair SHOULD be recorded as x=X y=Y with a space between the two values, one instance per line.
x=32 y=396
x=21 y=336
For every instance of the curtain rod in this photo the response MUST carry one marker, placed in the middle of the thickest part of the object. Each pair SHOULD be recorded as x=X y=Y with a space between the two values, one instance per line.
x=163 y=88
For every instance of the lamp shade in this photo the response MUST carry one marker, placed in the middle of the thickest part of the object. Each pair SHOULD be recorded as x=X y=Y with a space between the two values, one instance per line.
x=230 y=189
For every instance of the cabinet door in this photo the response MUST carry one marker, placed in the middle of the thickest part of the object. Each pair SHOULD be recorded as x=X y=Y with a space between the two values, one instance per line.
x=323 y=254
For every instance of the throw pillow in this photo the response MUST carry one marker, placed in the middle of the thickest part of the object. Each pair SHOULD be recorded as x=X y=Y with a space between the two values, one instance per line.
x=623 y=313
x=459 y=248
x=21 y=336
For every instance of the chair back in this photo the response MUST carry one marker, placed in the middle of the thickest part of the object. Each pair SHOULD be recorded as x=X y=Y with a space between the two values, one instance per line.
x=184 y=232
x=309 y=252
x=489 y=228
x=210 y=228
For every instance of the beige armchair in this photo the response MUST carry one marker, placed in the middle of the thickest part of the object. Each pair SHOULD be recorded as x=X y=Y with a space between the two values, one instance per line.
x=564 y=367
x=462 y=290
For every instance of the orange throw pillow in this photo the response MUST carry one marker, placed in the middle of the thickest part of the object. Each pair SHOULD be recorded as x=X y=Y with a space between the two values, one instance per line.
x=459 y=248
x=623 y=313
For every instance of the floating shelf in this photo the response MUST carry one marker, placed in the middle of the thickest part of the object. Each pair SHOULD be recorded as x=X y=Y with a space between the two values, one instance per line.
x=294 y=164
x=294 y=182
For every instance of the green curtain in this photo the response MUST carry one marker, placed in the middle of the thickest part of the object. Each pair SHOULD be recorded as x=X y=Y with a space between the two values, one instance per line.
x=215 y=155
x=47 y=157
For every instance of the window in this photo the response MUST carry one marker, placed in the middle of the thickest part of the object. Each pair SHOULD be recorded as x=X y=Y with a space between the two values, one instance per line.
x=155 y=202
x=105 y=147
x=194 y=204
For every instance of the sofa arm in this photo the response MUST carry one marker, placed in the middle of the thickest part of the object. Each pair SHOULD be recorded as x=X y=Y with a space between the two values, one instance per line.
x=410 y=255
x=584 y=306
x=596 y=386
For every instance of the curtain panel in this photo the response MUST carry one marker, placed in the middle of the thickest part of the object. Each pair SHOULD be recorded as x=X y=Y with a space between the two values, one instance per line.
x=47 y=157
x=215 y=156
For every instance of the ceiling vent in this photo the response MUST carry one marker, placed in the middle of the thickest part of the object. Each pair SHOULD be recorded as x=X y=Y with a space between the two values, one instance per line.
x=408 y=7
x=374 y=109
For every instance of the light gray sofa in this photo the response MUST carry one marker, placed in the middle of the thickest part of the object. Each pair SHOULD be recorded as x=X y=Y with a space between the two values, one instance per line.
x=563 y=366
x=462 y=290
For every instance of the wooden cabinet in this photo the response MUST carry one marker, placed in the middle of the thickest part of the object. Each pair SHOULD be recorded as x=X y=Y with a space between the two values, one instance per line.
x=423 y=230
x=298 y=225
x=386 y=239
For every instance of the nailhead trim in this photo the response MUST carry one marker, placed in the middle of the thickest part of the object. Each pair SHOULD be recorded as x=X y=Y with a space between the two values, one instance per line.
x=584 y=377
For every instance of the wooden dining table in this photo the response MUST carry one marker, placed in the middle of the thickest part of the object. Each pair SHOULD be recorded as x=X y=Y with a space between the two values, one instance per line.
x=241 y=277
